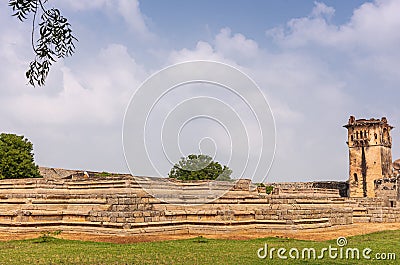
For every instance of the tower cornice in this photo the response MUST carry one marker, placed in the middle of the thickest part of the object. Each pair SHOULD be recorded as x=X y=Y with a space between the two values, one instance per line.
x=364 y=122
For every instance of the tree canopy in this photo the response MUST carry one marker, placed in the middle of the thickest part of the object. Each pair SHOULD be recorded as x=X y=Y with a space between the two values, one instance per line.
x=199 y=167
x=55 y=37
x=16 y=157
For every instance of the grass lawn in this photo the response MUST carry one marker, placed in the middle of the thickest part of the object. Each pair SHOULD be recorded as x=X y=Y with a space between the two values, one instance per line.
x=50 y=250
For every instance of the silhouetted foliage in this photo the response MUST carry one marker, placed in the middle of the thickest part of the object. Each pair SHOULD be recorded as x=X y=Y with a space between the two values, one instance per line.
x=55 y=37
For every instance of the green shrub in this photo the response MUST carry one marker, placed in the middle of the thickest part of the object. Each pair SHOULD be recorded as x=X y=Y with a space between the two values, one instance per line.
x=16 y=157
x=104 y=174
x=269 y=189
x=199 y=167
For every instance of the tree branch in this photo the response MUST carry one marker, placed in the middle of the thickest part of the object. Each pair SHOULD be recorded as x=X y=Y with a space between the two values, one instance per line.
x=55 y=37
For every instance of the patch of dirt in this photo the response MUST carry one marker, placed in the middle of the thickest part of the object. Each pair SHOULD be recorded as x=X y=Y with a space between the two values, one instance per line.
x=320 y=234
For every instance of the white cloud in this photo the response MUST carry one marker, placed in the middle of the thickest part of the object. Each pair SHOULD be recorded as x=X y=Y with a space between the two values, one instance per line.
x=372 y=28
x=236 y=45
x=322 y=10
x=83 y=5
x=340 y=70
x=225 y=47
x=132 y=15
x=295 y=84
x=96 y=94
x=76 y=119
x=317 y=75
x=129 y=10
x=203 y=51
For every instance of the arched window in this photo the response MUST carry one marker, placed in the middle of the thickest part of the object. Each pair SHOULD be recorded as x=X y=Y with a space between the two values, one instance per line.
x=352 y=137
x=355 y=177
x=376 y=136
x=356 y=135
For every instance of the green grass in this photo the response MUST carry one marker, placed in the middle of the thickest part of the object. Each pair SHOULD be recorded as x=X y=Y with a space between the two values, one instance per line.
x=190 y=251
x=103 y=174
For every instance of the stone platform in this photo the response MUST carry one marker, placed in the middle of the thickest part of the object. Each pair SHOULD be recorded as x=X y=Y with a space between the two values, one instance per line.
x=118 y=205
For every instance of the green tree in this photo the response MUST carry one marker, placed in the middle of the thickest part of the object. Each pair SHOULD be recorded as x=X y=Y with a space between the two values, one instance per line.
x=55 y=37
x=199 y=167
x=16 y=157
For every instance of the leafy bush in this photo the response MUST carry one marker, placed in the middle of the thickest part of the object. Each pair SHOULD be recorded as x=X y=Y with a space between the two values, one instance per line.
x=199 y=167
x=104 y=174
x=16 y=157
x=47 y=236
x=269 y=189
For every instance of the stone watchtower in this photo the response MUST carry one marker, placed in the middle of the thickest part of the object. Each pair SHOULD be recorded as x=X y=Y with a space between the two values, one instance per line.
x=370 y=154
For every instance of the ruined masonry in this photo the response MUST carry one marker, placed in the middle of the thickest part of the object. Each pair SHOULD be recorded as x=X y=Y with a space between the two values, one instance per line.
x=116 y=204
x=371 y=172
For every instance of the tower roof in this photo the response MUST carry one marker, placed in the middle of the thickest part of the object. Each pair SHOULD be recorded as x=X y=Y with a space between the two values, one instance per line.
x=364 y=122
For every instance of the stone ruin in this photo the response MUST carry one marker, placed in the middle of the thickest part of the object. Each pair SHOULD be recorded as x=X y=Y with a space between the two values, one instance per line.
x=371 y=170
x=117 y=205
x=76 y=201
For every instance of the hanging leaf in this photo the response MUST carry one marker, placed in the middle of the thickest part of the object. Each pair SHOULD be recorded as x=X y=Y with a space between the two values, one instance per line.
x=55 y=37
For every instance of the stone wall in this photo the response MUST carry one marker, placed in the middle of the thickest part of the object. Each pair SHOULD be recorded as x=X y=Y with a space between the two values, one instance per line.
x=56 y=172
x=118 y=205
x=319 y=188
x=387 y=188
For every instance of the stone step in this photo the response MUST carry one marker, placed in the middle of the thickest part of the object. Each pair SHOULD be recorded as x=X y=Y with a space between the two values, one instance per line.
x=311 y=221
x=361 y=219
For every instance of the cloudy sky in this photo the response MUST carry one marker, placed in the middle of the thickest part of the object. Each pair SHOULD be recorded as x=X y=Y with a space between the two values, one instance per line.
x=316 y=62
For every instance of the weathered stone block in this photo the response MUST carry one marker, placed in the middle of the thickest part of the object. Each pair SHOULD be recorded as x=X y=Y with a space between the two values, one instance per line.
x=139 y=220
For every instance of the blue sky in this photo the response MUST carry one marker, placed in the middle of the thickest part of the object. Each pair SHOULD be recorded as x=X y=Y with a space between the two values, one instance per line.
x=253 y=18
x=316 y=62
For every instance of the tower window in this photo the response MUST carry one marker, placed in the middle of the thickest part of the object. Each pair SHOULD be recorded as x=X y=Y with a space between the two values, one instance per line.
x=376 y=136
x=355 y=177
x=385 y=134
x=352 y=137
